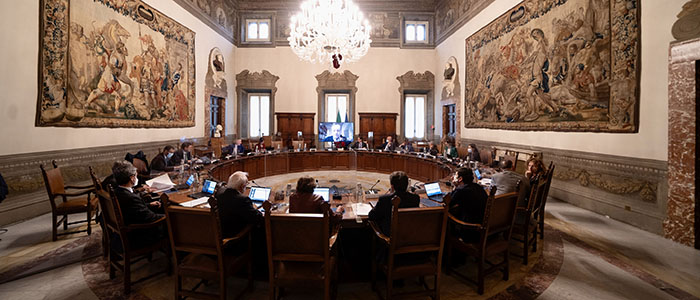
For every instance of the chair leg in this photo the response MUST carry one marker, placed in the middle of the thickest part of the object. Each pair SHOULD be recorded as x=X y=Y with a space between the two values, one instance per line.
x=65 y=222
x=89 y=222
x=54 y=229
x=480 y=276
x=222 y=287
x=526 y=244
x=542 y=225
x=506 y=270
x=534 y=240
x=127 y=275
x=389 y=285
x=436 y=286
x=178 y=286
x=327 y=288
x=250 y=275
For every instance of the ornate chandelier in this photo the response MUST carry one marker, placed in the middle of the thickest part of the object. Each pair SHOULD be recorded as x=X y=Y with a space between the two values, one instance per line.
x=329 y=31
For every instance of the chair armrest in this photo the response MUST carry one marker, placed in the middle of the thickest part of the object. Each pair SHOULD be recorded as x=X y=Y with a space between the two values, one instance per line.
x=145 y=225
x=334 y=237
x=91 y=186
x=85 y=192
x=242 y=234
x=379 y=234
x=465 y=224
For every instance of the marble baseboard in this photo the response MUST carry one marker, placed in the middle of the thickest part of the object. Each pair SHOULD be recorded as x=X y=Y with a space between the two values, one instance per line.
x=628 y=189
x=28 y=198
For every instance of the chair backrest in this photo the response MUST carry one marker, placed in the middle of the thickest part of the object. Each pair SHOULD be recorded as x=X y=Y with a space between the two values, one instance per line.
x=194 y=230
x=216 y=144
x=268 y=140
x=417 y=229
x=513 y=159
x=462 y=152
x=548 y=184
x=297 y=237
x=486 y=156
x=500 y=214
x=277 y=144
x=95 y=180
x=53 y=179
x=141 y=166
x=111 y=212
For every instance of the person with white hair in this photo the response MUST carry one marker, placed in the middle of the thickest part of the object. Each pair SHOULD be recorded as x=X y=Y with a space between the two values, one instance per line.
x=236 y=210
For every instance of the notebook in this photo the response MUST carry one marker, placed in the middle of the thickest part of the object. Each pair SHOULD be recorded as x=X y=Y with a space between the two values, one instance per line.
x=325 y=193
x=259 y=194
x=195 y=202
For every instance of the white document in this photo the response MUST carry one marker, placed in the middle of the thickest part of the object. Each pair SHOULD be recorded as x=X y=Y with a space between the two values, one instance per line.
x=195 y=202
x=160 y=183
x=361 y=209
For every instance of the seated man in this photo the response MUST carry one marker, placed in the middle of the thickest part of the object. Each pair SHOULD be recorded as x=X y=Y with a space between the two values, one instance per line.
x=506 y=181
x=468 y=201
x=160 y=162
x=134 y=209
x=406 y=146
x=431 y=149
x=360 y=144
x=236 y=210
x=182 y=156
x=335 y=135
x=381 y=213
x=389 y=144
x=234 y=149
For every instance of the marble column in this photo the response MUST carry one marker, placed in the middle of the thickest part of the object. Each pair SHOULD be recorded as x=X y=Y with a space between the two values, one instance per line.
x=682 y=96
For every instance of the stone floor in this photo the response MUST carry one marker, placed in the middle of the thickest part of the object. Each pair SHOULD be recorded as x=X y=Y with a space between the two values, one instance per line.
x=585 y=256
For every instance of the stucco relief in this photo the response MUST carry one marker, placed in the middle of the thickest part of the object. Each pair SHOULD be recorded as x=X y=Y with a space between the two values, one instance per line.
x=613 y=184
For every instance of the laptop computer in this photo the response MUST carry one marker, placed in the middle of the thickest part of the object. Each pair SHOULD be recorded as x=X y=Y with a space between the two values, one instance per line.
x=325 y=193
x=207 y=190
x=433 y=191
x=186 y=185
x=259 y=194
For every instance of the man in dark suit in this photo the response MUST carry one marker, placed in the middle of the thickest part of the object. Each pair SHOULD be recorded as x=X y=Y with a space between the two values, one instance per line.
x=160 y=162
x=406 y=146
x=182 y=156
x=135 y=210
x=381 y=213
x=236 y=210
x=389 y=144
x=471 y=199
x=360 y=144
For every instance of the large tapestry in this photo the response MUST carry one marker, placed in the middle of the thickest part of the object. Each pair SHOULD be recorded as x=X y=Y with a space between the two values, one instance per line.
x=561 y=65
x=114 y=63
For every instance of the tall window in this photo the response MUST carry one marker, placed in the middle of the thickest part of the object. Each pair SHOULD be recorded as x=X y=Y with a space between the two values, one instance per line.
x=416 y=32
x=337 y=108
x=414 y=116
x=257 y=30
x=259 y=108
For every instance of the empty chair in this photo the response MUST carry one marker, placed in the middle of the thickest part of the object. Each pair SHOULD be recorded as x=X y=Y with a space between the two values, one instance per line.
x=525 y=225
x=539 y=214
x=121 y=252
x=494 y=237
x=71 y=202
x=300 y=251
x=414 y=248
x=216 y=144
x=198 y=248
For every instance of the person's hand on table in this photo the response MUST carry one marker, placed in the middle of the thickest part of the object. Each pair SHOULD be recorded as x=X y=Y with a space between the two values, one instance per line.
x=148 y=189
x=340 y=209
x=154 y=204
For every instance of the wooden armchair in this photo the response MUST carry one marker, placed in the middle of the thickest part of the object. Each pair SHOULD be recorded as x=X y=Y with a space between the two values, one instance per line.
x=198 y=248
x=300 y=252
x=525 y=225
x=486 y=157
x=117 y=231
x=417 y=233
x=539 y=214
x=494 y=237
x=56 y=188
x=98 y=187
x=216 y=145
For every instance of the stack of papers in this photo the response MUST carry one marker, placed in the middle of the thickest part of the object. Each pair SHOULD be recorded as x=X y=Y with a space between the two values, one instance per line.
x=160 y=183
x=361 y=209
x=195 y=202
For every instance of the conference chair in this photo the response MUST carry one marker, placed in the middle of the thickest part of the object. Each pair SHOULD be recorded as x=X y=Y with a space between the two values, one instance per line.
x=543 y=200
x=300 y=251
x=486 y=156
x=199 y=249
x=216 y=145
x=414 y=248
x=267 y=140
x=98 y=187
x=122 y=251
x=525 y=225
x=72 y=202
x=494 y=237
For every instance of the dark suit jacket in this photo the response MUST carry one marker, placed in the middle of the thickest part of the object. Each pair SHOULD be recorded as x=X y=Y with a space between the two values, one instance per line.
x=392 y=147
x=381 y=213
x=407 y=148
x=159 y=163
x=135 y=211
x=360 y=145
x=236 y=211
x=471 y=199
x=309 y=203
x=179 y=157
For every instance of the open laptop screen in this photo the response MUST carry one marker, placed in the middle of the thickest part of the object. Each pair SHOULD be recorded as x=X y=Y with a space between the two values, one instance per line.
x=323 y=192
x=432 y=189
x=259 y=194
x=208 y=186
x=190 y=180
x=477 y=174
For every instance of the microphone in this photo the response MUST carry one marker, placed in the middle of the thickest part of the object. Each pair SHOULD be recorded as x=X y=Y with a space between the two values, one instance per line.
x=255 y=183
x=371 y=189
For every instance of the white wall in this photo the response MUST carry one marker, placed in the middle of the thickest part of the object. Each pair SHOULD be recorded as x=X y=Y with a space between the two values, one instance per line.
x=377 y=87
x=19 y=21
x=651 y=141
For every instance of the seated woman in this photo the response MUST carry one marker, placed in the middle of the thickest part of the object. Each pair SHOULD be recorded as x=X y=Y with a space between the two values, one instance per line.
x=450 y=149
x=535 y=167
x=260 y=146
x=431 y=149
x=305 y=201
x=472 y=153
